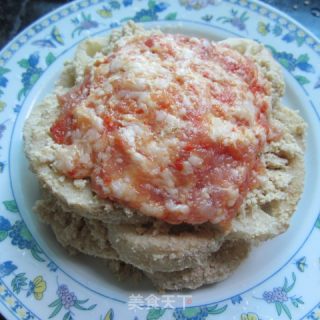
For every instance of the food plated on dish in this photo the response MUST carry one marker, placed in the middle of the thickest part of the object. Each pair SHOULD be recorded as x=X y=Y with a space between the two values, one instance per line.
x=167 y=154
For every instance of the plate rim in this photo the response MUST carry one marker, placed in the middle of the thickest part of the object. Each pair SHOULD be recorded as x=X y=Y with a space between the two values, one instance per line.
x=67 y=5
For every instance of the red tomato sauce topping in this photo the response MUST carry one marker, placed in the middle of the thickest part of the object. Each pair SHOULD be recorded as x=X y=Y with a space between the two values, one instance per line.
x=169 y=125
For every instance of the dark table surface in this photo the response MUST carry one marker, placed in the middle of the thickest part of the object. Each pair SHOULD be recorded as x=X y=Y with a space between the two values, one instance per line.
x=15 y=15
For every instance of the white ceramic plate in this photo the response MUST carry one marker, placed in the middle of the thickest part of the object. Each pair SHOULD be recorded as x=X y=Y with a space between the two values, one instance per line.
x=38 y=280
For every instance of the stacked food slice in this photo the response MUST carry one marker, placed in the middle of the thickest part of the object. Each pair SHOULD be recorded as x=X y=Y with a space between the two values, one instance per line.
x=173 y=255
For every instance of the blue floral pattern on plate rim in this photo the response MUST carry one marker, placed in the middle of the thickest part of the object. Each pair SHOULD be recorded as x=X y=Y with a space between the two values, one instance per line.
x=22 y=292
